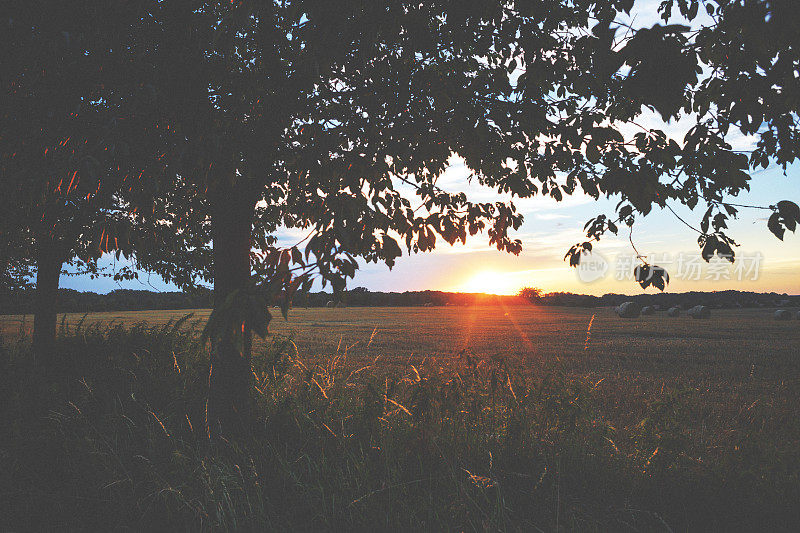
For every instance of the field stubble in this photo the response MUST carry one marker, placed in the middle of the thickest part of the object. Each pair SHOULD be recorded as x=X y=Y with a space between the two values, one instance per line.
x=732 y=366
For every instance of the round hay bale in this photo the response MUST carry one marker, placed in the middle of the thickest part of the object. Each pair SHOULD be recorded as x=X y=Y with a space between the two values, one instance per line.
x=648 y=310
x=329 y=303
x=628 y=310
x=782 y=314
x=699 y=312
x=674 y=311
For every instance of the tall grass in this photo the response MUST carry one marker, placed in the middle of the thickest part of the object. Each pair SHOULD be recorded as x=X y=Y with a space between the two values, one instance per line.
x=112 y=437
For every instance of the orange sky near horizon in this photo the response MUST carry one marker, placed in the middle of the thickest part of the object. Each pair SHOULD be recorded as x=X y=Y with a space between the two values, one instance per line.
x=763 y=263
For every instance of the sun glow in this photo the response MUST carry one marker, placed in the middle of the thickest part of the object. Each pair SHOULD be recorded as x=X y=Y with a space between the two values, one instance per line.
x=490 y=282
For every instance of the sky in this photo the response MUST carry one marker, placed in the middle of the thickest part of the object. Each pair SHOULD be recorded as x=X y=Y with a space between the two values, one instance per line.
x=763 y=264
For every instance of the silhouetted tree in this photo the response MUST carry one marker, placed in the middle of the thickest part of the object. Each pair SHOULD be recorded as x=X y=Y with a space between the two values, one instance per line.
x=56 y=144
x=311 y=115
x=530 y=293
x=327 y=116
x=82 y=174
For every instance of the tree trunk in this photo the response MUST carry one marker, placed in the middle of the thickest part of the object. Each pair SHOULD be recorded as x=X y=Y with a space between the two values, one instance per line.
x=48 y=272
x=230 y=375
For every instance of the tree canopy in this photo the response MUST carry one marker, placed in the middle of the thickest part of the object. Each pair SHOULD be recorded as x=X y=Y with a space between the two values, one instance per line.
x=323 y=115
x=77 y=173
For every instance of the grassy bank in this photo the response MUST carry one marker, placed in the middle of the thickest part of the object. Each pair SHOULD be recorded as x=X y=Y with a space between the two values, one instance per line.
x=112 y=437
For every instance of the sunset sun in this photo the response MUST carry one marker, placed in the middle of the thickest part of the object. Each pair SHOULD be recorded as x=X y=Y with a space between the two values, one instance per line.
x=490 y=282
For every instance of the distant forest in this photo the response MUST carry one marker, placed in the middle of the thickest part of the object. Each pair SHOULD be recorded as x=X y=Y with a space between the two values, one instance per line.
x=72 y=301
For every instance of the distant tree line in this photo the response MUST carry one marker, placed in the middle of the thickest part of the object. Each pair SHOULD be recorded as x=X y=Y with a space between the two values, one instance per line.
x=72 y=301
x=361 y=297
x=717 y=299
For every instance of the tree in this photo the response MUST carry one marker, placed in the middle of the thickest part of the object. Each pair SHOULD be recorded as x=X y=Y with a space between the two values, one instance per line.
x=311 y=115
x=531 y=293
x=55 y=137
x=282 y=117
x=80 y=177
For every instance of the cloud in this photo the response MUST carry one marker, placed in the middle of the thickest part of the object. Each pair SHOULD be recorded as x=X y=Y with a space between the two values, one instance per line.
x=549 y=216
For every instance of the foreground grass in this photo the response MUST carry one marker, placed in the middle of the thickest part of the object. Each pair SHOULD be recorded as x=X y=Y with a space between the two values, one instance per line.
x=112 y=437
